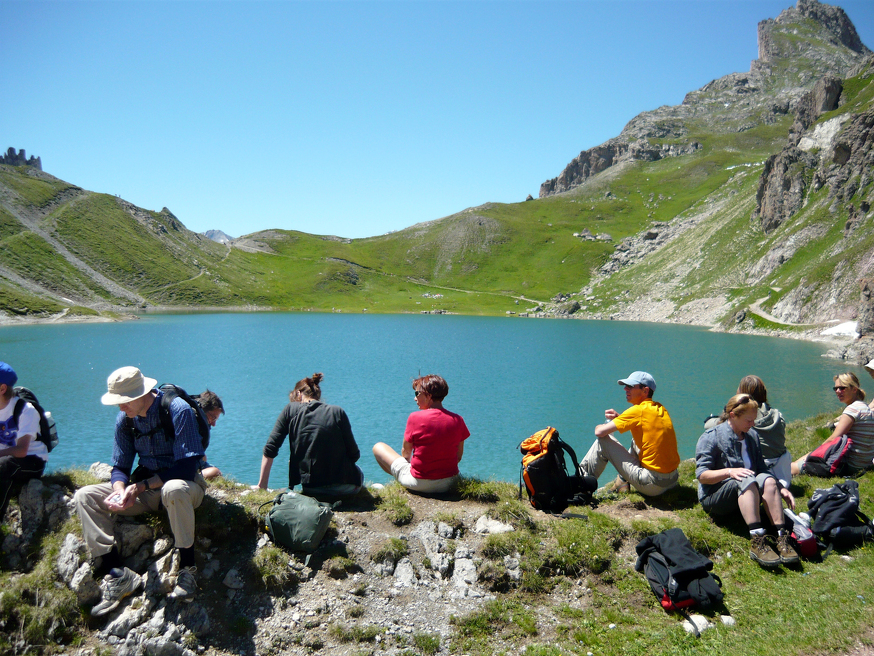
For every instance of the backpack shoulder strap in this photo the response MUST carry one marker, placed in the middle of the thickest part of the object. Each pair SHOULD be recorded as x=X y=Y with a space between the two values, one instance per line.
x=570 y=451
x=164 y=414
x=17 y=410
x=43 y=433
x=131 y=428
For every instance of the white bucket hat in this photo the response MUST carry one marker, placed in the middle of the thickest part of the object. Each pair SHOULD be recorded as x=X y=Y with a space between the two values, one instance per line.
x=125 y=385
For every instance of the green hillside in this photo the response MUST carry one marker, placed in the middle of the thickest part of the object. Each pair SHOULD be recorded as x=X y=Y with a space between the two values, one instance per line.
x=674 y=223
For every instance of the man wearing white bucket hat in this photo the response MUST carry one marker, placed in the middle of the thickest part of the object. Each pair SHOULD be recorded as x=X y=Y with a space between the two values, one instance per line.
x=166 y=476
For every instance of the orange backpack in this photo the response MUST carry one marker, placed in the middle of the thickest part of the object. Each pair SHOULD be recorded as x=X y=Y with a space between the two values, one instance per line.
x=545 y=473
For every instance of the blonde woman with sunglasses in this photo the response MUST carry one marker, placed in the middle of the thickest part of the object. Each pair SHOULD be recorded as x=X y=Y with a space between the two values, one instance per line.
x=856 y=422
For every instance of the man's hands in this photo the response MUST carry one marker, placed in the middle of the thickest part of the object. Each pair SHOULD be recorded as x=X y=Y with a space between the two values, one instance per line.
x=122 y=497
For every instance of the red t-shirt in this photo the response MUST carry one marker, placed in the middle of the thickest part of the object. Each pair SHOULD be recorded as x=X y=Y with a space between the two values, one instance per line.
x=435 y=434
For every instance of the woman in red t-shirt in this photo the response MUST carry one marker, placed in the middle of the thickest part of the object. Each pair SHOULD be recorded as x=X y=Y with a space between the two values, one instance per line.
x=433 y=442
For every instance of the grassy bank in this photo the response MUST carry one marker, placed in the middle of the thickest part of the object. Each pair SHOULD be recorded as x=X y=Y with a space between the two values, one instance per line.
x=578 y=592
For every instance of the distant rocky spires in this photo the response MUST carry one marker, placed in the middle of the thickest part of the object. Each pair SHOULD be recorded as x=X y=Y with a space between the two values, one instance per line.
x=12 y=158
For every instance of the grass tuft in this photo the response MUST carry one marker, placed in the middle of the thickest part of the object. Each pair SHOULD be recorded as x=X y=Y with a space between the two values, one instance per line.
x=474 y=489
x=394 y=549
x=392 y=501
x=356 y=633
x=339 y=567
x=271 y=563
x=427 y=643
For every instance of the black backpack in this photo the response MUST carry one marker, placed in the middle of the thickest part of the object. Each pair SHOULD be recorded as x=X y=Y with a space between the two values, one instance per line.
x=679 y=576
x=545 y=475
x=837 y=520
x=48 y=432
x=166 y=418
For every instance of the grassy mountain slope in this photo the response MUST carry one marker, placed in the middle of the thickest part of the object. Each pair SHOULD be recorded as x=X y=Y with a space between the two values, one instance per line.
x=806 y=270
x=677 y=211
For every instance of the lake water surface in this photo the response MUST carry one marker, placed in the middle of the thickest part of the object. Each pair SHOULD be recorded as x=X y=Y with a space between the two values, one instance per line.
x=508 y=377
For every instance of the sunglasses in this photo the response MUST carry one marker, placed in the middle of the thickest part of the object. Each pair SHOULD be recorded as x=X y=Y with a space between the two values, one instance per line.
x=628 y=387
x=417 y=392
x=837 y=388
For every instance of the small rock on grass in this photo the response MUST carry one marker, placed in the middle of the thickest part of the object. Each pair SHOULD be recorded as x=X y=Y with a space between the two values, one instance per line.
x=487 y=526
x=700 y=622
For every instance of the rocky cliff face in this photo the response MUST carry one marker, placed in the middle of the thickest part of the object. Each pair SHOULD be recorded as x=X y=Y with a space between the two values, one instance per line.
x=591 y=162
x=812 y=39
x=836 y=154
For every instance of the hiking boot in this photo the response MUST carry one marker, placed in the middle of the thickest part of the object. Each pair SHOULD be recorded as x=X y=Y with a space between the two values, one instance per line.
x=762 y=553
x=116 y=585
x=788 y=555
x=186 y=586
x=619 y=486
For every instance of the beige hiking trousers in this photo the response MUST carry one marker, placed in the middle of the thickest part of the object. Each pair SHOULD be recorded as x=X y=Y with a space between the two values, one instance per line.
x=610 y=450
x=178 y=497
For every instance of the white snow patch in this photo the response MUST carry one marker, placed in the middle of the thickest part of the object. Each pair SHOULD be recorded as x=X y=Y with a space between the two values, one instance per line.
x=823 y=135
x=846 y=329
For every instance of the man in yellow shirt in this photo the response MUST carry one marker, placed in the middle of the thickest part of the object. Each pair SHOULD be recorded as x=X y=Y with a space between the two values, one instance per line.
x=650 y=465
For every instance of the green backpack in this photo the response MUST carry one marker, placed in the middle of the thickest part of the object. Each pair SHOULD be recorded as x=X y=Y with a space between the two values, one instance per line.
x=297 y=522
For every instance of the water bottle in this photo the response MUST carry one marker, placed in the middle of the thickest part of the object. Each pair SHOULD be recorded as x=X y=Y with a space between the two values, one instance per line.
x=802 y=519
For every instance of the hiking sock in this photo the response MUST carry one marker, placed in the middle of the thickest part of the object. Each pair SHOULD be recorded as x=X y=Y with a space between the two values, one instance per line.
x=756 y=528
x=108 y=561
x=186 y=557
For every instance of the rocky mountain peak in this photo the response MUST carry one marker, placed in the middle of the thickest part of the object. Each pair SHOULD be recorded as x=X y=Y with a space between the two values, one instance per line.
x=217 y=235
x=799 y=48
x=779 y=38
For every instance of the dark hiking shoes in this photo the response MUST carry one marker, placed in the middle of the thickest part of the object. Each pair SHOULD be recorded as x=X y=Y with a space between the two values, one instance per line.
x=186 y=586
x=116 y=585
x=788 y=555
x=762 y=553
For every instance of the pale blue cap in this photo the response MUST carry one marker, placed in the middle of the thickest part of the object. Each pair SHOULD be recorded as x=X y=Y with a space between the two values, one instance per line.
x=639 y=378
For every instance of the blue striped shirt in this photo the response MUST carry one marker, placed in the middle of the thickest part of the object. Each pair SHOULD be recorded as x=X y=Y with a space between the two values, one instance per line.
x=155 y=451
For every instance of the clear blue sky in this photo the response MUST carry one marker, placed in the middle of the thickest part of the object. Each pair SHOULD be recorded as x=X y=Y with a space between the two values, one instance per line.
x=348 y=118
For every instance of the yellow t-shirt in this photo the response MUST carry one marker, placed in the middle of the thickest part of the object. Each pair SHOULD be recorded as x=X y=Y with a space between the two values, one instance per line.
x=653 y=433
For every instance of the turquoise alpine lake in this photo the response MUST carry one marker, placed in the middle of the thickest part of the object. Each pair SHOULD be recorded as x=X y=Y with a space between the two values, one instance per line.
x=508 y=377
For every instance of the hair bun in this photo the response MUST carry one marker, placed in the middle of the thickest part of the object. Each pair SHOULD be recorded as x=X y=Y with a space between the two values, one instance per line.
x=317 y=378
